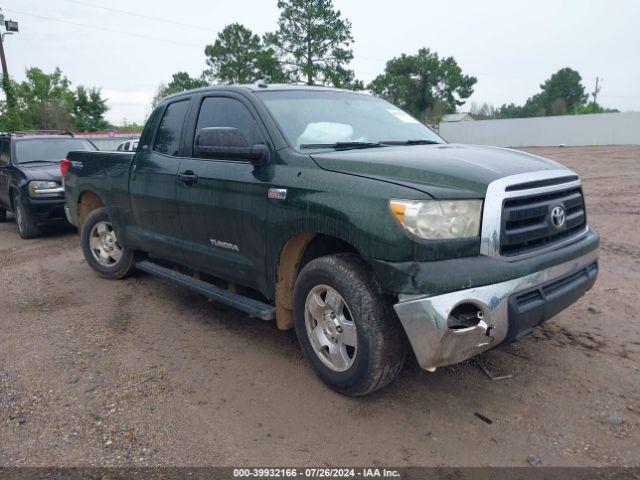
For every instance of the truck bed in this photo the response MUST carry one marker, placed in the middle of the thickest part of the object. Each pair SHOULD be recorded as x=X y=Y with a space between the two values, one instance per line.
x=104 y=173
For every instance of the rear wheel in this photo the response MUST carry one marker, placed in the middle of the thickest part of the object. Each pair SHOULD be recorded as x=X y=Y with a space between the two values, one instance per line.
x=345 y=325
x=25 y=222
x=101 y=247
x=3 y=215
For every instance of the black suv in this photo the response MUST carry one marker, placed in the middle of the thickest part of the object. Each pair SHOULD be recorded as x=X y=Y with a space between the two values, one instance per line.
x=30 y=177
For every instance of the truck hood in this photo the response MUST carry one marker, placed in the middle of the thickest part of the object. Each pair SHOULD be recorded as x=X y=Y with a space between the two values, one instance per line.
x=42 y=171
x=442 y=171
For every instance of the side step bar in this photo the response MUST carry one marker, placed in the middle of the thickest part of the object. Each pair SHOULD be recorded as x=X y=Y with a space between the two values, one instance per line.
x=248 y=305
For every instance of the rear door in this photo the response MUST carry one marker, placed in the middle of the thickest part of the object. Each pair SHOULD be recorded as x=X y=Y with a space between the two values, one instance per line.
x=223 y=212
x=153 y=185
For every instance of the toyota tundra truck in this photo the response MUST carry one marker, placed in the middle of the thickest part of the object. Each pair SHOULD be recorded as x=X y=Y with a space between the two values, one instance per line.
x=339 y=215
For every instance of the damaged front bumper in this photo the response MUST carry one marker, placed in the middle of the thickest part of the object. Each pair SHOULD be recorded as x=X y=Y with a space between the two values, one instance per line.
x=509 y=310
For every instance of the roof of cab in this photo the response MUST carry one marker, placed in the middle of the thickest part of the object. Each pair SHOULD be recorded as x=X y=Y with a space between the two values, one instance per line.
x=260 y=86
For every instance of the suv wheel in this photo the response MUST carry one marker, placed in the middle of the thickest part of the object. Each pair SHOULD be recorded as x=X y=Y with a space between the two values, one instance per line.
x=101 y=247
x=25 y=223
x=345 y=325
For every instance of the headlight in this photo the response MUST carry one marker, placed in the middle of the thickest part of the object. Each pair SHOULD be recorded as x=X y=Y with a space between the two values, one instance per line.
x=439 y=219
x=40 y=188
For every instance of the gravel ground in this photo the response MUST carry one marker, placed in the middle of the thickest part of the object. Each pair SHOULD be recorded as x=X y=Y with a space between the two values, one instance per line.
x=138 y=372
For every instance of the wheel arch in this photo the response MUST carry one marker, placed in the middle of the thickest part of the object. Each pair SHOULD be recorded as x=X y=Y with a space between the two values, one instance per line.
x=296 y=252
x=88 y=201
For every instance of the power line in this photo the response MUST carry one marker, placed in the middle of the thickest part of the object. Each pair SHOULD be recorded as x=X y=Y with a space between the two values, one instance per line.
x=104 y=29
x=140 y=15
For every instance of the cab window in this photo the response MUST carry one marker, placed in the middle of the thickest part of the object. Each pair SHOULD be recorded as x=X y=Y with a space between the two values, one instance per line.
x=229 y=112
x=168 y=136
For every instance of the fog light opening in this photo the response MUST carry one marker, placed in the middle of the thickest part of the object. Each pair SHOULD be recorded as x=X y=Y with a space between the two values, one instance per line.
x=465 y=315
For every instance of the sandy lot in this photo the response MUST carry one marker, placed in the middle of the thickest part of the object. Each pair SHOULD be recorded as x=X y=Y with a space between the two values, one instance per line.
x=138 y=372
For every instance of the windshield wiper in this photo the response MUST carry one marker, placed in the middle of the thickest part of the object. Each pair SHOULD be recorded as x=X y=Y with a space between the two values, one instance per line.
x=411 y=142
x=39 y=161
x=343 y=145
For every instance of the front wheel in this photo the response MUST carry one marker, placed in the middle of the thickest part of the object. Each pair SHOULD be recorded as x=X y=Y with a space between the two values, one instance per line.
x=345 y=326
x=26 y=224
x=101 y=247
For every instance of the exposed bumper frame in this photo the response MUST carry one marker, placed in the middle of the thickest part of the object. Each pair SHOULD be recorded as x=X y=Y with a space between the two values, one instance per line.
x=67 y=213
x=424 y=318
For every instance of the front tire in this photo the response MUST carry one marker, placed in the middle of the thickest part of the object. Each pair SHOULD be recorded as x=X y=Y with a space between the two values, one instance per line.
x=25 y=222
x=345 y=325
x=101 y=248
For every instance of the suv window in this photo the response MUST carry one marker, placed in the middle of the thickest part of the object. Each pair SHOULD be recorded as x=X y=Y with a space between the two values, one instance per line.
x=228 y=112
x=168 y=137
x=5 y=152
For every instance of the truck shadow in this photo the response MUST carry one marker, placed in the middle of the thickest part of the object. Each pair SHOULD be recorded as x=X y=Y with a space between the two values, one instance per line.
x=49 y=231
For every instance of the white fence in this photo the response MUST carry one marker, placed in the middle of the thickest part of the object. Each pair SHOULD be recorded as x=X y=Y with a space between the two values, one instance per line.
x=592 y=129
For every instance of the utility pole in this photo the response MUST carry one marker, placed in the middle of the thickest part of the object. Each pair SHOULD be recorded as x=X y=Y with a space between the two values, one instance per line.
x=5 y=71
x=11 y=27
x=11 y=120
x=596 y=91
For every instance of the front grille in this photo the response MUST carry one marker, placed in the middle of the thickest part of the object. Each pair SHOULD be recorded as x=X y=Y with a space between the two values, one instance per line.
x=526 y=221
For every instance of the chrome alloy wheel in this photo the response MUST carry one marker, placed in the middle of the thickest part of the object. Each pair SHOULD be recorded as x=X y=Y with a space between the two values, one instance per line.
x=104 y=244
x=330 y=328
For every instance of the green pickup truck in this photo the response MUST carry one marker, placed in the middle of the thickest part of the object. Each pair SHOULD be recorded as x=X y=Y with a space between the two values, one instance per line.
x=339 y=215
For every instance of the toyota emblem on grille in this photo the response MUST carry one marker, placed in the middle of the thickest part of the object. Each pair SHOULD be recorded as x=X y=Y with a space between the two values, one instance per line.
x=558 y=217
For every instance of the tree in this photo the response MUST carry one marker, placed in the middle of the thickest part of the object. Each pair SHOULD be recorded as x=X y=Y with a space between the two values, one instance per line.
x=483 y=112
x=424 y=84
x=180 y=81
x=45 y=101
x=238 y=56
x=594 y=107
x=10 y=119
x=563 y=92
x=314 y=42
x=89 y=109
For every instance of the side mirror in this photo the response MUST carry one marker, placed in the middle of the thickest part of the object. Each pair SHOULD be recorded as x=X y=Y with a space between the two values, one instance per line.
x=229 y=143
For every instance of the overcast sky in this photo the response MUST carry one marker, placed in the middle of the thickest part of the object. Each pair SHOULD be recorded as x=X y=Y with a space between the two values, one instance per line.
x=510 y=46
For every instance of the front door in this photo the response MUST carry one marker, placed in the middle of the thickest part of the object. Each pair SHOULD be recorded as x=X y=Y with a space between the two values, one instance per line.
x=223 y=202
x=153 y=185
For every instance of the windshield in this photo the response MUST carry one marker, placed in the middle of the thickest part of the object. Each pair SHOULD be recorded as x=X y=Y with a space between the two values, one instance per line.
x=322 y=119
x=49 y=149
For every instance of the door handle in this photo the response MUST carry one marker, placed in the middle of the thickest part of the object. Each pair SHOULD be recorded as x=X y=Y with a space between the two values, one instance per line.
x=188 y=178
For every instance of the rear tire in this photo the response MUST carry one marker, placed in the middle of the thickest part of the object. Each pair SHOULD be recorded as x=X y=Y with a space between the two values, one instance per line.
x=345 y=325
x=3 y=215
x=101 y=248
x=25 y=223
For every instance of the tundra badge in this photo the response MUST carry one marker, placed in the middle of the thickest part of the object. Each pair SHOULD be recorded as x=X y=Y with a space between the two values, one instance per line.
x=225 y=245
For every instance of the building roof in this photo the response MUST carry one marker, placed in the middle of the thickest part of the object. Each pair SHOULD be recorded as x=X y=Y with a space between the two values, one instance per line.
x=457 y=117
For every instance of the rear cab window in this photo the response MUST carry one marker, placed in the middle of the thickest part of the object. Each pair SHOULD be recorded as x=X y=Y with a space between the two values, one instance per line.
x=167 y=139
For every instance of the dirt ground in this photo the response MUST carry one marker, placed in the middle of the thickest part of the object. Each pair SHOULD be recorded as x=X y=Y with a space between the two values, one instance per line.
x=139 y=372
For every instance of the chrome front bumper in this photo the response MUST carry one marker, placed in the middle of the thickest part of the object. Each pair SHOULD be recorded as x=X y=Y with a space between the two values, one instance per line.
x=424 y=318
